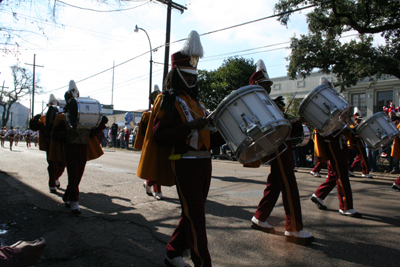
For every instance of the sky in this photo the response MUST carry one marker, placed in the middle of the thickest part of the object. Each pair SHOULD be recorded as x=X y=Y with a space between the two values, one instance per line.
x=83 y=44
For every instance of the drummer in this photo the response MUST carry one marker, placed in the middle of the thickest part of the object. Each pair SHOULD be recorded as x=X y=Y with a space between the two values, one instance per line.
x=3 y=132
x=10 y=134
x=75 y=146
x=356 y=143
x=17 y=136
x=334 y=149
x=281 y=179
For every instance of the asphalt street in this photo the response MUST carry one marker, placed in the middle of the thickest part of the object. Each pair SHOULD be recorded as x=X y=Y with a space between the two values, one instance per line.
x=121 y=226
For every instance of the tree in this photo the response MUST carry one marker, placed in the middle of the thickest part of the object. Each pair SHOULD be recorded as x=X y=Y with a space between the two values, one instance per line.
x=351 y=61
x=43 y=11
x=293 y=109
x=23 y=81
x=215 y=85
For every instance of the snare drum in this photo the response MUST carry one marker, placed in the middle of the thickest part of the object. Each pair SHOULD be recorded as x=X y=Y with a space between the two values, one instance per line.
x=325 y=109
x=302 y=139
x=251 y=123
x=377 y=131
x=89 y=113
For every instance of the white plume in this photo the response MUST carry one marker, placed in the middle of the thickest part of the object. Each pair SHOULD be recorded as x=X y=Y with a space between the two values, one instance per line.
x=261 y=65
x=72 y=85
x=192 y=46
x=324 y=80
x=52 y=99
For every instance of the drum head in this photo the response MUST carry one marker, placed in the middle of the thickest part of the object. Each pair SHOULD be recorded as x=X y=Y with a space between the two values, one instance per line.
x=251 y=123
x=377 y=131
x=262 y=144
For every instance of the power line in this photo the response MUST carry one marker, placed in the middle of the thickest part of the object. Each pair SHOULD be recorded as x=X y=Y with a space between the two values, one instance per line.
x=101 y=72
x=94 y=10
x=207 y=33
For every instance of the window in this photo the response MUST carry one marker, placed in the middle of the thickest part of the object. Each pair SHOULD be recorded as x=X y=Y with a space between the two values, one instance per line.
x=358 y=100
x=383 y=98
x=301 y=84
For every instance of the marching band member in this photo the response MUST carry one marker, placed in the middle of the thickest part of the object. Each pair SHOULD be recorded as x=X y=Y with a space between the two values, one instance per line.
x=17 y=136
x=141 y=133
x=44 y=125
x=36 y=137
x=28 y=135
x=396 y=154
x=355 y=142
x=281 y=179
x=334 y=149
x=182 y=145
x=76 y=146
x=3 y=132
x=11 y=134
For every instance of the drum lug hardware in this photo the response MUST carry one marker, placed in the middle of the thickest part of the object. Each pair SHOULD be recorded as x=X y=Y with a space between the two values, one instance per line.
x=381 y=135
x=331 y=108
x=254 y=119
x=250 y=125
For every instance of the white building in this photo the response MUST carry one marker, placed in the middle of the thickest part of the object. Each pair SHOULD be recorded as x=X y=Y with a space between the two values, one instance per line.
x=19 y=116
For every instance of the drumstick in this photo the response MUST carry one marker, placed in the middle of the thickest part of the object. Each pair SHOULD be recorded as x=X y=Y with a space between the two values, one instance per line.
x=208 y=117
x=290 y=103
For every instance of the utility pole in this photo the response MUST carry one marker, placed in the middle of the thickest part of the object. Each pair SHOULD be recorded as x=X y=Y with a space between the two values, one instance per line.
x=33 y=85
x=1 y=95
x=181 y=8
x=112 y=89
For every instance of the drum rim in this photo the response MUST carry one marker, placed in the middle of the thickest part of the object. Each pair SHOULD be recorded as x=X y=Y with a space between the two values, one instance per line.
x=364 y=122
x=229 y=98
x=242 y=146
x=347 y=109
x=303 y=135
x=384 y=142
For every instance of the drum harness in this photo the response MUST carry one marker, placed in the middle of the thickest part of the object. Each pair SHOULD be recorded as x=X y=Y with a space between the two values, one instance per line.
x=195 y=154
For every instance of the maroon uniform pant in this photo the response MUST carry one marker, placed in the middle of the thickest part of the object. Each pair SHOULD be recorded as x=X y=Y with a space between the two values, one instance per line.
x=360 y=158
x=338 y=174
x=54 y=168
x=397 y=182
x=282 y=179
x=319 y=165
x=76 y=157
x=193 y=179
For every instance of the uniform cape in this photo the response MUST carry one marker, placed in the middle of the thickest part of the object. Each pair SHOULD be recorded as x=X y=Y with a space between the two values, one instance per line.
x=139 y=134
x=154 y=164
x=56 y=152
x=42 y=134
x=319 y=150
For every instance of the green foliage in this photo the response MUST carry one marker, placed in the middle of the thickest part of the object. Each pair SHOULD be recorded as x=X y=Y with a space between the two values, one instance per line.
x=353 y=60
x=215 y=85
x=293 y=110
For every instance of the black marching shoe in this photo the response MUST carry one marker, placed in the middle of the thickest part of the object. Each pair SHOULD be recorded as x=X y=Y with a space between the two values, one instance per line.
x=319 y=202
x=396 y=187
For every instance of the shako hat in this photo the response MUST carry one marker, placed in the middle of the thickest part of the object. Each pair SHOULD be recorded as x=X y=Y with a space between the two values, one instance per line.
x=187 y=58
x=72 y=91
x=156 y=91
x=261 y=74
x=52 y=100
